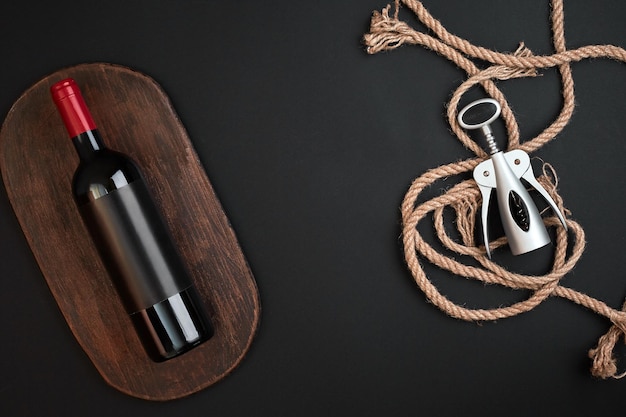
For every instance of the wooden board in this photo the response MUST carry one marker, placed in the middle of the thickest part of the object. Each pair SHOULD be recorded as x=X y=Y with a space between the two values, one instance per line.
x=135 y=117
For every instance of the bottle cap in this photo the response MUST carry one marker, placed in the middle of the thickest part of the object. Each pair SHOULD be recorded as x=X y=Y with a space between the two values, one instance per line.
x=71 y=105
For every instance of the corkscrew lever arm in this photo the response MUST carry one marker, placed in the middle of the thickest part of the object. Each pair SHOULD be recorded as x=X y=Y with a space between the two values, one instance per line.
x=520 y=218
x=529 y=177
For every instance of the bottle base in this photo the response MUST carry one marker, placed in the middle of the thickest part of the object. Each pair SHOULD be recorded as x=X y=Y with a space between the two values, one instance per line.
x=173 y=326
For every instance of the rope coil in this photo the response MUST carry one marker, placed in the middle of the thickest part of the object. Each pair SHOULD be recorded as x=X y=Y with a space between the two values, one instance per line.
x=387 y=32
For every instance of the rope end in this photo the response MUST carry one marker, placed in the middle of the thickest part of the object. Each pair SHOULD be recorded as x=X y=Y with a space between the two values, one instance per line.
x=604 y=364
x=385 y=31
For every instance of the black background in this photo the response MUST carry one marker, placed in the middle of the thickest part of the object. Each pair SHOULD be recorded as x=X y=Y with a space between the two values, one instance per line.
x=310 y=144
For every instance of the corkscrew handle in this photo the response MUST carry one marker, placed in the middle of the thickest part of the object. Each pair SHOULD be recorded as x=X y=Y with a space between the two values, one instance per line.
x=480 y=114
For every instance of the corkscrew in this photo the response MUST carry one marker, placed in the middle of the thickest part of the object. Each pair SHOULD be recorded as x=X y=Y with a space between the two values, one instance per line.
x=520 y=218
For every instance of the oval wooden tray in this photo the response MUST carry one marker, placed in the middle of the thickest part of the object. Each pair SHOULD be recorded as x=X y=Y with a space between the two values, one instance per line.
x=135 y=117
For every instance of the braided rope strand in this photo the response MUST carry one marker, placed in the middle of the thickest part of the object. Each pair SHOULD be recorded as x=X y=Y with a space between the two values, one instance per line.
x=387 y=33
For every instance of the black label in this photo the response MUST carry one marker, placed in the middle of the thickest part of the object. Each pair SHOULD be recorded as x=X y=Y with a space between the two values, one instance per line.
x=135 y=246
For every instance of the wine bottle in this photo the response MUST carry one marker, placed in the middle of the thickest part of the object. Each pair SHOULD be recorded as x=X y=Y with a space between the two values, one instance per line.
x=131 y=237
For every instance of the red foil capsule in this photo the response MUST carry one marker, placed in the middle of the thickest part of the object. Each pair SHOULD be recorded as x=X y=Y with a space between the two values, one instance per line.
x=72 y=107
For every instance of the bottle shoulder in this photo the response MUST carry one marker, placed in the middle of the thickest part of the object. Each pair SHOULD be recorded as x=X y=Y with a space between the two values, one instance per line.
x=106 y=171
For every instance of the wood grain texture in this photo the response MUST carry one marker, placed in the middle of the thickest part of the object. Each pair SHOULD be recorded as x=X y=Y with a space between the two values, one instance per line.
x=135 y=117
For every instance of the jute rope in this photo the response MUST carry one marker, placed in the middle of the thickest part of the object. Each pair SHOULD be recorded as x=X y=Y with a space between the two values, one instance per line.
x=387 y=32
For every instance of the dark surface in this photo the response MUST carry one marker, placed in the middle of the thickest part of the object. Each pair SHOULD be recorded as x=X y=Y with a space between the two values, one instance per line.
x=310 y=144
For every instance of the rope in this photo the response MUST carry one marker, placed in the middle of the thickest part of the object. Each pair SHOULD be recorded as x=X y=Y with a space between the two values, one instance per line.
x=387 y=32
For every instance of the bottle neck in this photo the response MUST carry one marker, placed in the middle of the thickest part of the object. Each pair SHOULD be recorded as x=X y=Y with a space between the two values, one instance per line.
x=77 y=118
x=88 y=144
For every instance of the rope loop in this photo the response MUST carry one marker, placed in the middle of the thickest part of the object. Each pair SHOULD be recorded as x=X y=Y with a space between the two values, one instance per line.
x=386 y=33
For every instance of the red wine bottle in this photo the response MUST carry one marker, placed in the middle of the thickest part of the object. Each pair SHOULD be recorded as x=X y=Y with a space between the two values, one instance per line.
x=131 y=237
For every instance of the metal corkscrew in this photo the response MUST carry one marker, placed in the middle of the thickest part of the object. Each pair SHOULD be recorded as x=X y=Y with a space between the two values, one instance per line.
x=521 y=220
